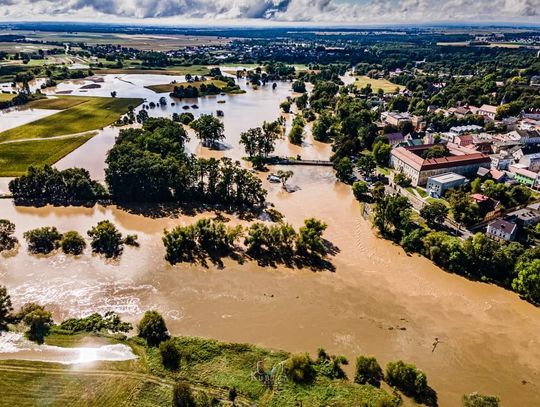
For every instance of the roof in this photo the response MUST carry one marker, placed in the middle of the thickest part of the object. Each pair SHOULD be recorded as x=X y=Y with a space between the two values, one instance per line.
x=526 y=173
x=524 y=214
x=394 y=137
x=503 y=226
x=479 y=197
x=447 y=177
x=407 y=155
x=488 y=108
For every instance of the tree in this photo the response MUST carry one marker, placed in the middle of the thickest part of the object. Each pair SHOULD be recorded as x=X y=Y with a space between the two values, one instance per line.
x=301 y=101
x=479 y=400
x=407 y=378
x=360 y=190
x=463 y=209
x=106 y=239
x=42 y=240
x=381 y=152
x=39 y=322
x=7 y=238
x=182 y=395
x=284 y=177
x=5 y=308
x=152 y=328
x=322 y=129
x=368 y=371
x=285 y=106
x=344 y=169
x=251 y=139
x=170 y=355
x=310 y=241
x=527 y=282
x=296 y=135
x=366 y=164
x=299 y=368
x=299 y=86
x=208 y=129
x=434 y=213
x=392 y=214
x=399 y=103
x=330 y=365
x=73 y=243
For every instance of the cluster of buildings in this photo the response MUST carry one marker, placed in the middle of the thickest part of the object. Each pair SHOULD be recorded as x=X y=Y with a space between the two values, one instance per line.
x=442 y=161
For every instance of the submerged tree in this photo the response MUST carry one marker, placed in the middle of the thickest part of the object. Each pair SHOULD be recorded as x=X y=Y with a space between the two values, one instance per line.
x=106 y=239
x=208 y=129
x=5 y=308
x=7 y=238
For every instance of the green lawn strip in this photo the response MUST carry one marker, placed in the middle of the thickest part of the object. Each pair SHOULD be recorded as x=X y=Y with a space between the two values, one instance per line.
x=93 y=114
x=15 y=158
x=57 y=103
x=169 y=87
x=376 y=84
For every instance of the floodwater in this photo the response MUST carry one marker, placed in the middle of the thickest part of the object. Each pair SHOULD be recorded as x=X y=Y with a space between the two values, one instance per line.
x=378 y=301
x=18 y=116
x=16 y=346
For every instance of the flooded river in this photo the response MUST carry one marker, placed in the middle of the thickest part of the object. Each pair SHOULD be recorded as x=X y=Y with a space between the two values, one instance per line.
x=378 y=301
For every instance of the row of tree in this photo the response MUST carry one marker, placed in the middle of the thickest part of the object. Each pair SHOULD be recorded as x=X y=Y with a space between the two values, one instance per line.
x=213 y=238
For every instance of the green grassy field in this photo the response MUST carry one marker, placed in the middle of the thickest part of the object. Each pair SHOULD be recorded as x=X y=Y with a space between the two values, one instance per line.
x=170 y=70
x=58 y=103
x=169 y=87
x=376 y=84
x=6 y=97
x=92 y=114
x=209 y=366
x=15 y=158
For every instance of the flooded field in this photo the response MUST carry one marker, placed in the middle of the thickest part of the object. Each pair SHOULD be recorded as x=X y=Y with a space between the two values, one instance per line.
x=16 y=117
x=378 y=301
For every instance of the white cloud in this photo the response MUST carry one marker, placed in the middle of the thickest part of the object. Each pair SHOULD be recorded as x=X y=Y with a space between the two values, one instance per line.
x=340 y=11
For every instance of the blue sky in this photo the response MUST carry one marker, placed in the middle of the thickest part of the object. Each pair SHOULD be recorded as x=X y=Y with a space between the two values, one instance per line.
x=274 y=11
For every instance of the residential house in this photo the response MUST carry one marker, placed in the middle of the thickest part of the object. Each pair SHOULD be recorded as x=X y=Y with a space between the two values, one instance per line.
x=501 y=229
x=488 y=111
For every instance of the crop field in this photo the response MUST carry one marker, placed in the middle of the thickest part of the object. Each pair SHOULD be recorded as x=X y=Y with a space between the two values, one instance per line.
x=80 y=115
x=376 y=84
x=15 y=158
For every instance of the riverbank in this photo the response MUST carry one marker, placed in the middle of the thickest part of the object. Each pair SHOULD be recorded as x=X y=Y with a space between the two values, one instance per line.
x=209 y=366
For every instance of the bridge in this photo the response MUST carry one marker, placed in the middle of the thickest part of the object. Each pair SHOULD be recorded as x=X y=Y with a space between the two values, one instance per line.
x=292 y=161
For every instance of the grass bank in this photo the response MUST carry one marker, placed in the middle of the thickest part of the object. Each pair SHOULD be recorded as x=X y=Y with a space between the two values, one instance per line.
x=169 y=87
x=79 y=115
x=210 y=366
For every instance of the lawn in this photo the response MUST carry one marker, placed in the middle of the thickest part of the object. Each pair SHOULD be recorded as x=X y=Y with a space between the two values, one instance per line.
x=169 y=87
x=376 y=84
x=15 y=158
x=208 y=365
x=92 y=114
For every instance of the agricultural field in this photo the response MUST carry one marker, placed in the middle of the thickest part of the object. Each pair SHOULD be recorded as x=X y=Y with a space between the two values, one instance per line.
x=15 y=158
x=79 y=116
x=170 y=70
x=6 y=97
x=376 y=84
x=169 y=87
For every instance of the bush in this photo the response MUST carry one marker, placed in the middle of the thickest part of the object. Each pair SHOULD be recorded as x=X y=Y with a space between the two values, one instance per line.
x=96 y=323
x=402 y=180
x=411 y=381
x=39 y=322
x=152 y=328
x=132 y=240
x=478 y=400
x=106 y=239
x=43 y=240
x=299 y=368
x=7 y=240
x=368 y=371
x=170 y=355
x=360 y=190
x=73 y=243
x=182 y=395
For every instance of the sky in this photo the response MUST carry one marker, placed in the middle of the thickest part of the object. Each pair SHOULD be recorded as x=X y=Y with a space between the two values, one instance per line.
x=273 y=11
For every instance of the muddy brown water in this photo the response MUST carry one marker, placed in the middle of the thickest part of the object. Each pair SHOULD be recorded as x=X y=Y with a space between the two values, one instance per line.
x=379 y=301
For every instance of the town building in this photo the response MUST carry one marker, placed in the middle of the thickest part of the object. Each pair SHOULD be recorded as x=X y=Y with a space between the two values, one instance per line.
x=488 y=111
x=396 y=118
x=438 y=185
x=524 y=176
x=501 y=229
x=524 y=217
x=411 y=161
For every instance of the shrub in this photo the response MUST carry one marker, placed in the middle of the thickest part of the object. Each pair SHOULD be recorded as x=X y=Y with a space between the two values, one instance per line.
x=132 y=240
x=152 y=328
x=299 y=368
x=410 y=380
x=368 y=371
x=106 y=239
x=72 y=243
x=478 y=400
x=43 y=240
x=360 y=190
x=39 y=322
x=170 y=355
x=7 y=240
x=182 y=395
